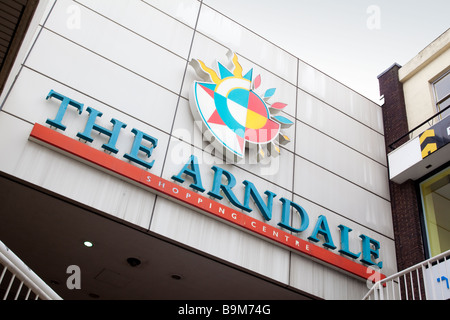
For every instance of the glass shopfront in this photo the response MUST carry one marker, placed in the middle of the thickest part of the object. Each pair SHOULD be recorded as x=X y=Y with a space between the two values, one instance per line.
x=435 y=195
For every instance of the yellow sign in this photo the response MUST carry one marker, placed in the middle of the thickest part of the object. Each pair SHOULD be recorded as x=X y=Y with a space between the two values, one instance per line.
x=427 y=147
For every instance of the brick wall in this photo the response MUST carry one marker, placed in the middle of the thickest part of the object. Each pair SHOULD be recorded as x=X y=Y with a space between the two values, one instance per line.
x=404 y=198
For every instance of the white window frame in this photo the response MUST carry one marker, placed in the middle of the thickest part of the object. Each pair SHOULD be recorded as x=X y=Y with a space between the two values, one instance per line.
x=437 y=101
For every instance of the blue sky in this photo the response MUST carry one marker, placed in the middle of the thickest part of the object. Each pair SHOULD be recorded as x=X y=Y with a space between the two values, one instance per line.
x=351 y=40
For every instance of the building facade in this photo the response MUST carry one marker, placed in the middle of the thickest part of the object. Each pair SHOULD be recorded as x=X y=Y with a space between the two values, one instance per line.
x=417 y=132
x=106 y=138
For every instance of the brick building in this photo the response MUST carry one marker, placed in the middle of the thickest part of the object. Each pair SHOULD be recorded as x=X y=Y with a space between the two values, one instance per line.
x=416 y=127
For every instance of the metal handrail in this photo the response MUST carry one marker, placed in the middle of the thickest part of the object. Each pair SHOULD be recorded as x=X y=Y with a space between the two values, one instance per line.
x=380 y=288
x=17 y=269
x=390 y=146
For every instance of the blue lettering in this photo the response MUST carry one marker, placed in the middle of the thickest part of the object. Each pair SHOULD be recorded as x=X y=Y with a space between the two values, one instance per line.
x=286 y=214
x=112 y=134
x=217 y=186
x=265 y=209
x=193 y=171
x=368 y=252
x=322 y=229
x=345 y=249
x=65 y=102
x=137 y=146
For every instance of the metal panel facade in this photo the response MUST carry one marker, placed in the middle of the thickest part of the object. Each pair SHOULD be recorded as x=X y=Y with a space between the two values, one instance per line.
x=129 y=60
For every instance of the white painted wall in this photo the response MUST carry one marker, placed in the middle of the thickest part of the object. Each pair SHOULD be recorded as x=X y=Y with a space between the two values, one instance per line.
x=417 y=77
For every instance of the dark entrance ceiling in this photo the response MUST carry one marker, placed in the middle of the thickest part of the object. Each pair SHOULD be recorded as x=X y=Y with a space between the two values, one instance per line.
x=47 y=233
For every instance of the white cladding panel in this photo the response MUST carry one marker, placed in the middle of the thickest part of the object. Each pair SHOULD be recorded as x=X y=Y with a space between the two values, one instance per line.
x=340 y=97
x=146 y=21
x=342 y=160
x=340 y=126
x=129 y=60
x=113 y=42
x=337 y=194
x=221 y=240
x=322 y=281
x=223 y=30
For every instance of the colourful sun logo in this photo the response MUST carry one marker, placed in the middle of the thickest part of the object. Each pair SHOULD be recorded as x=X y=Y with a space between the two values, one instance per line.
x=226 y=106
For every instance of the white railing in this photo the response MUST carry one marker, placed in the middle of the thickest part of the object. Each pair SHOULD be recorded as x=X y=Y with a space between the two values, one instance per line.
x=428 y=280
x=19 y=282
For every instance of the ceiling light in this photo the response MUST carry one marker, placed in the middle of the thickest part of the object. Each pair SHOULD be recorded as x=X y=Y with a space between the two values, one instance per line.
x=88 y=244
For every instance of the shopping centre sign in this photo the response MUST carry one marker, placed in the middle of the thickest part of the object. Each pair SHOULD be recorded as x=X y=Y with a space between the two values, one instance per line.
x=136 y=170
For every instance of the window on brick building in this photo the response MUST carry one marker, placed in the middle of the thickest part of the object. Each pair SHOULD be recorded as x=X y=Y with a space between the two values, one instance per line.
x=441 y=88
x=435 y=193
